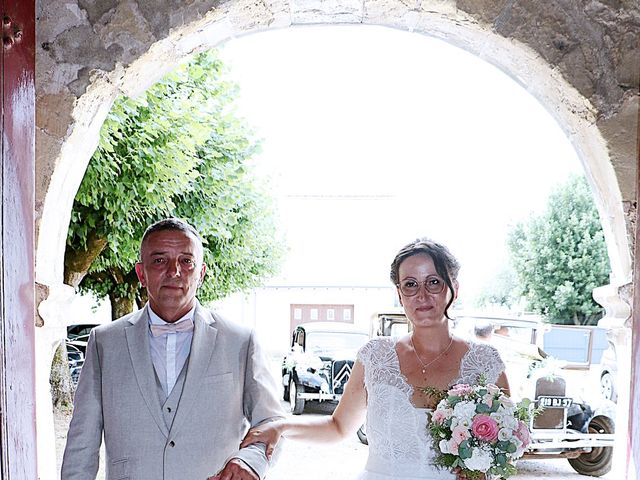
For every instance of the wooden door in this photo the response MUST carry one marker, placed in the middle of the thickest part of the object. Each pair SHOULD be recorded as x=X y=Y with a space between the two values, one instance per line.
x=17 y=362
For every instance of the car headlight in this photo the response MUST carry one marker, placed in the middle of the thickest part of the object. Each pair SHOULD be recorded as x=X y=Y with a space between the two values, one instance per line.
x=324 y=387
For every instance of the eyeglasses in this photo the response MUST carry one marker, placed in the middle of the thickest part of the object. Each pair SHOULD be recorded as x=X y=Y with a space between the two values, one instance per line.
x=432 y=284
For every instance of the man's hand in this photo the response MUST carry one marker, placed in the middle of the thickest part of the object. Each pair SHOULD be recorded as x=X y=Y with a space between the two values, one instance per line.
x=235 y=469
x=268 y=433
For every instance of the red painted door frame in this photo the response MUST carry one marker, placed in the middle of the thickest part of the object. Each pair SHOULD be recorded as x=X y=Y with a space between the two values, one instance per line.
x=17 y=311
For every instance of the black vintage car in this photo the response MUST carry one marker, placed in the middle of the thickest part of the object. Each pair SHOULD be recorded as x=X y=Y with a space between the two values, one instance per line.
x=320 y=362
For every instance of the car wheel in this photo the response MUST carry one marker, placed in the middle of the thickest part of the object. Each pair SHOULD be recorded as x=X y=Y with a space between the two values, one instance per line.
x=597 y=462
x=296 y=404
x=607 y=387
x=362 y=435
x=285 y=394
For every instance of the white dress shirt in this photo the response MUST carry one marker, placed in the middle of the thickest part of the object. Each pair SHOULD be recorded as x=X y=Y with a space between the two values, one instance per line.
x=169 y=351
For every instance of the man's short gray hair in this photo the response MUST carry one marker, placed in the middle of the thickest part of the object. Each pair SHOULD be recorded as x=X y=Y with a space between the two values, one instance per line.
x=172 y=224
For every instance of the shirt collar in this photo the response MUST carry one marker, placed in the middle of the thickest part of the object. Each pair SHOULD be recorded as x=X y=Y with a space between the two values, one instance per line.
x=154 y=319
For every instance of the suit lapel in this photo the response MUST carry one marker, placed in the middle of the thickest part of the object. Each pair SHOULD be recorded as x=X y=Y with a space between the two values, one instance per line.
x=138 y=343
x=204 y=338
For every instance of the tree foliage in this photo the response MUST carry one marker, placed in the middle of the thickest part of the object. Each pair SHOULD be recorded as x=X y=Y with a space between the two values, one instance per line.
x=177 y=150
x=500 y=290
x=560 y=256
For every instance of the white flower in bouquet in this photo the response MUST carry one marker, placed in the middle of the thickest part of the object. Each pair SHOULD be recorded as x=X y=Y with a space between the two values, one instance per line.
x=480 y=460
x=505 y=434
x=444 y=446
x=508 y=421
x=464 y=413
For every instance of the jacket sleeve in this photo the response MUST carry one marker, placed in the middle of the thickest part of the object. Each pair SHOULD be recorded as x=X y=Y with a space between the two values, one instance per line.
x=81 y=454
x=260 y=405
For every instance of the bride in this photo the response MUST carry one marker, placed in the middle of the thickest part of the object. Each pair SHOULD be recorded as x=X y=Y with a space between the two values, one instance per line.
x=389 y=375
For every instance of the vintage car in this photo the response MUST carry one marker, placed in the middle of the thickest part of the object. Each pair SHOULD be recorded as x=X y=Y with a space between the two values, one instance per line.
x=609 y=373
x=75 y=360
x=573 y=424
x=320 y=362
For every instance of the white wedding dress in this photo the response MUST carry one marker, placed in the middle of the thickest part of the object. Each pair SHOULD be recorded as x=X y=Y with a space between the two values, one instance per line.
x=399 y=445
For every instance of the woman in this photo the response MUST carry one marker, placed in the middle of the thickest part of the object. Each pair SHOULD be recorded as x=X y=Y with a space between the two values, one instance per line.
x=389 y=375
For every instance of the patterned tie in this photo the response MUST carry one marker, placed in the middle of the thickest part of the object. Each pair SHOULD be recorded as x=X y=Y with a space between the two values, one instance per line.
x=183 y=326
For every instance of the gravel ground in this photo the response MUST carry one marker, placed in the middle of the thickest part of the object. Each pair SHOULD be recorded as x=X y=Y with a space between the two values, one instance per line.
x=301 y=460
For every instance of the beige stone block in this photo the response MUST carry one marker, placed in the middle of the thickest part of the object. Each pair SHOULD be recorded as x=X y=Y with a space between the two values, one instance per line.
x=53 y=113
x=47 y=150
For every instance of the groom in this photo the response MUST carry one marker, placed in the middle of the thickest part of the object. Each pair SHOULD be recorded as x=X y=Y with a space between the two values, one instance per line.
x=172 y=387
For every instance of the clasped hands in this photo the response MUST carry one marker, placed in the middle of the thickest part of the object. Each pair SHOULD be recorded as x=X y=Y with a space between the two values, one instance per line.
x=268 y=434
x=236 y=469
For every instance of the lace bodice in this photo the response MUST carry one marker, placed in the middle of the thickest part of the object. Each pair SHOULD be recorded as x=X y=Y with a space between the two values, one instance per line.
x=399 y=445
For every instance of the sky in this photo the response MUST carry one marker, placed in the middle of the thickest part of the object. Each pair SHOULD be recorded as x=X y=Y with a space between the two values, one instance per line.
x=372 y=137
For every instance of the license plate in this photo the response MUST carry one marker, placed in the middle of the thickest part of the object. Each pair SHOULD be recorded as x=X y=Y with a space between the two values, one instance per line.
x=554 y=402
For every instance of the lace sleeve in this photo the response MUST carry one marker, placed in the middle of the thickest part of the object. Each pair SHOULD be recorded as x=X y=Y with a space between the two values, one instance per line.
x=481 y=359
x=364 y=354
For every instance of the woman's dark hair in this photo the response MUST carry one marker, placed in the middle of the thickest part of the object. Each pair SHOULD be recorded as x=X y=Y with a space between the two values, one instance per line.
x=446 y=264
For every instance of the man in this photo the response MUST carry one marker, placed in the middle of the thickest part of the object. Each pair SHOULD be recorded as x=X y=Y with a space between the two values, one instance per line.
x=172 y=387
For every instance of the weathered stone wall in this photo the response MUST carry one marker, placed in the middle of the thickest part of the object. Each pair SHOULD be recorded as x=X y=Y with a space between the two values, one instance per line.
x=594 y=45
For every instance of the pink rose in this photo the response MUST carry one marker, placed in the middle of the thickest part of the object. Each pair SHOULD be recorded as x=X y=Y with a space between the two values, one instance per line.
x=459 y=434
x=460 y=389
x=493 y=389
x=506 y=402
x=485 y=428
x=439 y=416
x=522 y=434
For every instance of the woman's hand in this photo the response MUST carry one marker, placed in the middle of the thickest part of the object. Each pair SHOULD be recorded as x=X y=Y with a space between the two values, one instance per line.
x=267 y=433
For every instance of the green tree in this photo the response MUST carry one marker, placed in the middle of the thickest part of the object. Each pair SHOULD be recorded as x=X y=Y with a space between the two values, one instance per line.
x=560 y=256
x=177 y=150
x=500 y=290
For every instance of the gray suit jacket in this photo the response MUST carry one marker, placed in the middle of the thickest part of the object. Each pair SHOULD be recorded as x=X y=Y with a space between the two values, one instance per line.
x=227 y=388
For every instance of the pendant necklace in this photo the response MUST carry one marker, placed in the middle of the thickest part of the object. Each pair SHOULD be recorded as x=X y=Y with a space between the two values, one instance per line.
x=425 y=366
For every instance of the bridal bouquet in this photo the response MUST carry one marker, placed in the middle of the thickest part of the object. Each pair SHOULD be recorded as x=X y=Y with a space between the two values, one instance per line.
x=478 y=431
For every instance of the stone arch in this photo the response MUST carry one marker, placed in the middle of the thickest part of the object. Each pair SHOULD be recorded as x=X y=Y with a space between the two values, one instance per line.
x=90 y=52
x=577 y=114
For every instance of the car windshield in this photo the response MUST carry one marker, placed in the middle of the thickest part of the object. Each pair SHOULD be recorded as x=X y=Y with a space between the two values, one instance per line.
x=323 y=341
x=522 y=334
x=399 y=329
